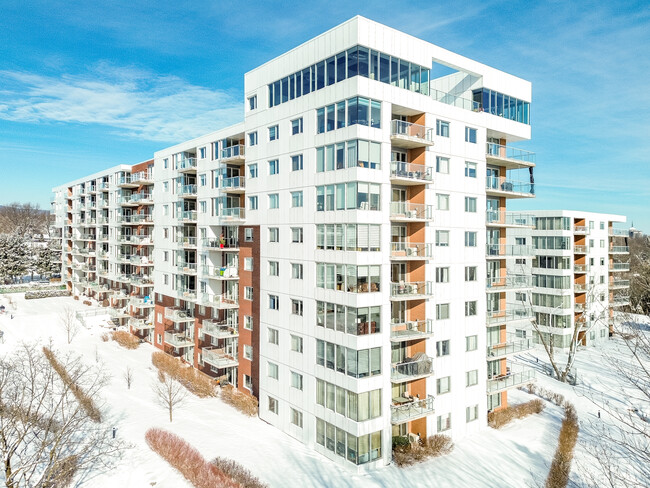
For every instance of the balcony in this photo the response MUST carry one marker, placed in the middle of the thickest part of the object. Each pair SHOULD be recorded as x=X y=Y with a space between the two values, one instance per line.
x=186 y=242
x=410 y=251
x=580 y=268
x=141 y=302
x=411 y=330
x=142 y=178
x=411 y=369
x=219 y=358
x=410 y=173
x=516 y=376
x=620 y=301
x=177 y=315
x=613 y=231
x=187 y=216
x=413 y=290
x=620 y=267
x=580 y=287
x=579 y=307
x=221 y=273
x=619 y=250
x=505 y=187
x=187 y=268
x=186 y=190
x=580 y=229
x=235 y=184
x=220 y=330
x=223 y=301
x=141 y=280
x=509 y=282
x=410 y=212
x=187 y=165
x=501 y=218
x=141 y=324
x=508 y=156
x=511 y=314
x=142 y=198
x=408 y=409
x=125 y=182
x=234 y=154
x=186 y=293
x=232 y=214
x=178 y=339
x=498 y=251
x=215 y=244
x=579 y=249
x=408 y=135
x=615 y=284
x=514 y=345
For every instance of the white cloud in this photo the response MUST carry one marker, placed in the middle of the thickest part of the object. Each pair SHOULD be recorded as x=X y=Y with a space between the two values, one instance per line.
x=136 y=103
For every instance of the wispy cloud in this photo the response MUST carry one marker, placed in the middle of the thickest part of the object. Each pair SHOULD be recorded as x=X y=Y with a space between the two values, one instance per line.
x=136 y=103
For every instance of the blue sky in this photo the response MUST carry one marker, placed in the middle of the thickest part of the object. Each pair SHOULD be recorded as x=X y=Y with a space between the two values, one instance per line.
x=84 y=85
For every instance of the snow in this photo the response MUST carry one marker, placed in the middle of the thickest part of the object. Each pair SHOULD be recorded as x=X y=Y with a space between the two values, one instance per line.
x=516 y=455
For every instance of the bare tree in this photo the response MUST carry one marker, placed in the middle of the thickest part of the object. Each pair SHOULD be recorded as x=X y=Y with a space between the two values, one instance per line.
x=47 y=438
x=128 y=377
x=25 y=219
x=169 y=393
x=68 y=320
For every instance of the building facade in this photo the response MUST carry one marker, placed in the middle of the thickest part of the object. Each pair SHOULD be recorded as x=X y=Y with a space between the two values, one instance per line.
x=328 y=254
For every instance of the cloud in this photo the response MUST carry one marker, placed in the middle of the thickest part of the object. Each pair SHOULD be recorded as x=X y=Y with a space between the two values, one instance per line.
x=136 y=103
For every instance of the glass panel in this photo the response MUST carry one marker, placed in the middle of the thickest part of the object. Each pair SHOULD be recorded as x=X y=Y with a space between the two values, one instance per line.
x=394 y=71
x=363 y=61
x=340 y=67
x=320 y=75
x=352 y=62
x=331 y=71
x=306 y=81
x=374 y=65
x=285 y=89
x=340 y=115
x=363 y=111
x=375 y=115
x=404 y=74
x=276 y=93
x=352 y=111
x=330 y=118
x=292 y=87
x=384 y=68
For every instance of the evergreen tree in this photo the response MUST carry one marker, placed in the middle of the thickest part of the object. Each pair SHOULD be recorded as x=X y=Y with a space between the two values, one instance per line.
x=14 y=257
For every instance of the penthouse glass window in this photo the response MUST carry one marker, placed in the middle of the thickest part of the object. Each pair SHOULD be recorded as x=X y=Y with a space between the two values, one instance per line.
x=356 y=110
x=502 y=105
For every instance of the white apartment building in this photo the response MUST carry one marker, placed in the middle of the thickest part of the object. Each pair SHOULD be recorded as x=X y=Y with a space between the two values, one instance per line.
x=328 y=253
x=576 y=271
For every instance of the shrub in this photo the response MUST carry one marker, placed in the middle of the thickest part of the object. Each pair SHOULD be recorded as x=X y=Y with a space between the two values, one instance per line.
x=194 y=381
x=187 y=460
x=246 y=404
x=506 y=415
x=412 y=453
x=238 y=473
x=125 y=339
x=400 y=440
x=84 y=400
x=438 y=445
x=558 y=475
x=31 y=295
x=105 y=337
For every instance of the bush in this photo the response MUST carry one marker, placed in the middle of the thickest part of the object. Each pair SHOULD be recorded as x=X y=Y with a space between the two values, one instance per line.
x=238 y=473
x=194 y=381
x=187 y=460
x=32 y=295
x=412 y=453
x=84 y=400
x=246 y=404
x=506 y=415
x=558 y=475
x=400 y=440
x=125 y=339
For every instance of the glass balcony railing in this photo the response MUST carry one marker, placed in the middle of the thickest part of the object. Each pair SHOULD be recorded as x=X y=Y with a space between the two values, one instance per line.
x=411 y=171
x=454 y=100
x=410 y=131
x=405 y=290
x=580 y=249
x=219 y=358
x=501 y=217
x=187 y=216
x=409 y=330
x=501 y=184
x=233 y=183
x=178 y=339
x=223 y=301
x=233 y=152
x=620 y=267
x=619 y=249
x=178 y=315
x=410 y=250
x=410 y=211
x=580 y=229
x=497 y=250
x=580 y=287
x=186 y=164
x=187 y=190
x=509 y=152
x=227 y=243
x=510 y=314
x=232 y=213
x=619 y=284
x=411 y=368
x=580 y=268
x=221 y=273
x=185 y=241
x=220 y=330
x=513 y=345
x=407 y=409
x=510 y=281
x=614 y=231
x=514 y=377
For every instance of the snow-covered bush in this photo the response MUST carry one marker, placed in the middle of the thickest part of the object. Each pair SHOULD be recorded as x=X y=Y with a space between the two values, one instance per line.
x=246 y=404
x=32 y=295
x=238 y=473
x=506 y=415
x=416 y=452
x=196 y=382
x=125 y=339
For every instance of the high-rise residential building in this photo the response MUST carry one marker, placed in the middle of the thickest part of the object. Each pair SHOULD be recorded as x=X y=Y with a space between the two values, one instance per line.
x=577 y=267
x=328 y=253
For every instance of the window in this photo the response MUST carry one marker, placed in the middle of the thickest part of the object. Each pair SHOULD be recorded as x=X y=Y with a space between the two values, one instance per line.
x=470 y=273
x=273 y=336
x=274 y=200
x=165 y=163
x=274 y=302
x=165 y=186
x=602 y=261
x=274 y=167
x=296 y=417
x=274 y=234
x=272 y=370
x=273 y=405
x=296 y=199
x=442 y=311
x=471 y=343
x=296 y=307
x=320 y=120
x=248 y=264
x=296 y=126
x=248 y=234
x=274 y=133
x=602 y=243
x=165 y=256
x=471 y=377
x=470 y=239
x=442 y=275
x=202 y=180
x=442 y=165
x=296 y=343
x=470 y=135
x=443 y=201
x=443 y=385
x=602 y=227
x=470 y=169
x=591 y=243
x=274 y=268
x=248 y=292
x=470 y=308
x=591 y=225
x=252 y=102
x=471 y=413
x=442 y=238
x=296 y=162
x=296 y=381
x=296 y=271
x=248 y=322
x=248 y=352
x=442 y=348
x=296 y=234
x=442 y=128
x=252 y=170
x=602 y=279
x=470 y=204
x=444 y=422
x=252 y=203
x=252 y=139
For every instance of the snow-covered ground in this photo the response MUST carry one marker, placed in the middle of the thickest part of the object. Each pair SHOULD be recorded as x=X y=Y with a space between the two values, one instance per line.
x=516 y=456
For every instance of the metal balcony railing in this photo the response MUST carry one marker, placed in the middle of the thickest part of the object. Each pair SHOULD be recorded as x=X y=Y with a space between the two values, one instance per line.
x=400 y=128
x=411 y=410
